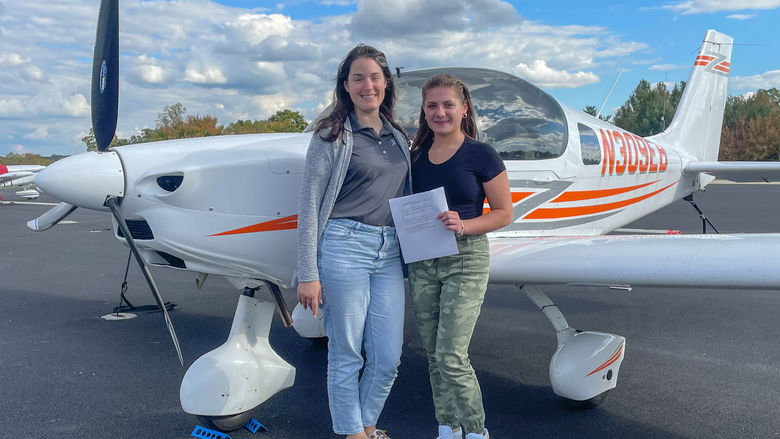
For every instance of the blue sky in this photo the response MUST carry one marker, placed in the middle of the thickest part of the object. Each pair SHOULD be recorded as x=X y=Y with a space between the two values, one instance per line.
x=246 y=59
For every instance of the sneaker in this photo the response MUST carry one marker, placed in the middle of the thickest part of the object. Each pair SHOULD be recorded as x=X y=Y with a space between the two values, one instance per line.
x=484 y=435
x=379 y=434
x=445 y=432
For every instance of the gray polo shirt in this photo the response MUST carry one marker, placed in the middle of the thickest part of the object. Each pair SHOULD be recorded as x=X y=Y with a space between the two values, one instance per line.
x=377 y=172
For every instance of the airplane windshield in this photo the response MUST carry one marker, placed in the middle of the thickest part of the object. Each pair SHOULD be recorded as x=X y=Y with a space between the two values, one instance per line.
x=518 y=119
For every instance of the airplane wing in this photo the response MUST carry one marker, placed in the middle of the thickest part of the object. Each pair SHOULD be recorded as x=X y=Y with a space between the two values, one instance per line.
x=706 y=261
x=742 y=171
x=13 y=175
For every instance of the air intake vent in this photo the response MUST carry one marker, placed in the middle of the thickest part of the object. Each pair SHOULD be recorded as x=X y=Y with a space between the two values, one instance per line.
x=170 y=182
x=139 y=229
x=172 y=260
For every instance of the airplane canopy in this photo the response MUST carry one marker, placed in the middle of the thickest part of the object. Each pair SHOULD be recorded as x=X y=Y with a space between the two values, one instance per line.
x=518 y=119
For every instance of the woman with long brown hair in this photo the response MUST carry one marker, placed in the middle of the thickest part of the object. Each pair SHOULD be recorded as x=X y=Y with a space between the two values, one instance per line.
x=348 y=254
x=448 y=292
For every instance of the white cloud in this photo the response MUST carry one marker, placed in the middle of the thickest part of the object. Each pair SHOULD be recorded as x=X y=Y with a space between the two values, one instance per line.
x=12 y=59
x=39 y=133
x=11 y=107
x=709 y=6
x=19 y=149
x=412 y=18
x=540 y=74
x=205 y=75
x=32 y=72
x=667 y=67
x=255 y=28
x=232 y=62
x=76 y=105
x=740 y=16
x=764 y=80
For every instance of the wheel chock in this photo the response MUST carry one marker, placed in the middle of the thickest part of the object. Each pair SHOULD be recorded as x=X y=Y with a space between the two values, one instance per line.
x=253 y=425
x=207 y=433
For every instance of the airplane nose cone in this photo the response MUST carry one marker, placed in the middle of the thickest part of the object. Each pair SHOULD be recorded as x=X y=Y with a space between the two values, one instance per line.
x=84 y=180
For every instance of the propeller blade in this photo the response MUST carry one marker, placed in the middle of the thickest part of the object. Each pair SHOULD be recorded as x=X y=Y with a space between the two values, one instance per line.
x=51 y=217
x=111 y=202
x=105 y=74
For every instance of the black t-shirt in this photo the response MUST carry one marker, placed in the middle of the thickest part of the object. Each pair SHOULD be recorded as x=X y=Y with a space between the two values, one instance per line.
x=462 y=176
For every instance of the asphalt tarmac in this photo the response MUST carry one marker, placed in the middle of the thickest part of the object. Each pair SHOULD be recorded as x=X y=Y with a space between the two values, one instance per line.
x=699 y=363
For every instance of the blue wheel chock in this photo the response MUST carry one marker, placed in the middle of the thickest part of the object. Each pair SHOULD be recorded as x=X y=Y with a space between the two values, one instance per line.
x=207 y=433
x=253 y=425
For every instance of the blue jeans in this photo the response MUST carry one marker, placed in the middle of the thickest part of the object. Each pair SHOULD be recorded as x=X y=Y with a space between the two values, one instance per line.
x=363 y=306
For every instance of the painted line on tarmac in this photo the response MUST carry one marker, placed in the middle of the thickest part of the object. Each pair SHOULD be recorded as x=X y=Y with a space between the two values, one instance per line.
x=34 y=203
x=646 y=231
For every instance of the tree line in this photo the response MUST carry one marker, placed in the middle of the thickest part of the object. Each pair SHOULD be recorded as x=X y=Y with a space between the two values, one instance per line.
x=175 y=123
x=751 y=123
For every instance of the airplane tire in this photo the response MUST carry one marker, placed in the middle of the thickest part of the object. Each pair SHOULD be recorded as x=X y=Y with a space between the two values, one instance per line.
x=226 y=423
x=588 y=403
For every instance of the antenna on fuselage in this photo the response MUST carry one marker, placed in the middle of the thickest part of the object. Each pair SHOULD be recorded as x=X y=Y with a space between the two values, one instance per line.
x=610 y=92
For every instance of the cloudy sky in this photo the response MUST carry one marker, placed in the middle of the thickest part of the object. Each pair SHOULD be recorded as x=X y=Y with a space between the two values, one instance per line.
x=238 y=59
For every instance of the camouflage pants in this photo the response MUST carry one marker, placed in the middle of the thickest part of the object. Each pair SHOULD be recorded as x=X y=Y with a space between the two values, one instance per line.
x=447 y=294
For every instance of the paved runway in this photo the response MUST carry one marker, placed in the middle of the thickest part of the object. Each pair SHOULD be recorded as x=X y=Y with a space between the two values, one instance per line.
x=699 y=363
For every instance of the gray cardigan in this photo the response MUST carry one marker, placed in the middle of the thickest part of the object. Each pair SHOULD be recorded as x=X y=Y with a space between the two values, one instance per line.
x=323 y=174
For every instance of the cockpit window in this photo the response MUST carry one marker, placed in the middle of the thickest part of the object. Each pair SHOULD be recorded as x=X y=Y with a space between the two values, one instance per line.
x=589 y=145
x=518 y=119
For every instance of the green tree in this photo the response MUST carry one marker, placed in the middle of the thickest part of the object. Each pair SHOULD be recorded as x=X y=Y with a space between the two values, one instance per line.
x=591 y=109
x=284 y=121
x=751 y=127
x=649 y=109
x=27 y=158
x=91 y=143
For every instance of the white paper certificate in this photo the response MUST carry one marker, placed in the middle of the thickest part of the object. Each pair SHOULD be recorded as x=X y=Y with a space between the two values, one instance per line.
x=421 y=234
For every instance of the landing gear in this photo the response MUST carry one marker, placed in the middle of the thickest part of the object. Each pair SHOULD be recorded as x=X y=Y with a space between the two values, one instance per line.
x=223 y=387
x=226 y=423
x=585 y=366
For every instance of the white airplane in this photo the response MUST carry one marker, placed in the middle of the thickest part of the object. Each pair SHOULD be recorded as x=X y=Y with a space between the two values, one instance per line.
x=18 y=174
x=228 y=206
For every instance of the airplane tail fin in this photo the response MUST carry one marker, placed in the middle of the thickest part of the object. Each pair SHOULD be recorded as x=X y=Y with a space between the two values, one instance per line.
x=697 y=123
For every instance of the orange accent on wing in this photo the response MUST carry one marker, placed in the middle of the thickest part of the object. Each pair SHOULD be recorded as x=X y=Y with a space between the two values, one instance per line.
x=705 y=57
x=589 y=195
x=552 y=213
x=611 y=360
x=516 y=196
x=721 y=68
x=286 y=223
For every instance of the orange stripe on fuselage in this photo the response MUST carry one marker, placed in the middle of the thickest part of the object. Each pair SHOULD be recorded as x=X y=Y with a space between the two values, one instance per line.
x=286 y=223
x=600 y=193
x=553 y=213
x=516 y=196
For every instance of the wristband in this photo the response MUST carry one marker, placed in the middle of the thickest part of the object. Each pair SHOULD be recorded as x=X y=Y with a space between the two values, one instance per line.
x=462 y=229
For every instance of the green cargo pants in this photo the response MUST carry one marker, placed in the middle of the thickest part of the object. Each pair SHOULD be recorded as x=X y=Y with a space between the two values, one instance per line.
x=447 y=293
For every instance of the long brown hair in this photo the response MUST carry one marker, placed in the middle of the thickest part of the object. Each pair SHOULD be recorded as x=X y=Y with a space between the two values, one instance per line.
x=342 y=103
x=424 y=137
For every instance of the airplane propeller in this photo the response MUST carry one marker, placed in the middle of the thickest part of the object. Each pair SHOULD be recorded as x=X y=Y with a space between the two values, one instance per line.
x=95 y=180
x=51 y=217
x=105 y=74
